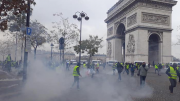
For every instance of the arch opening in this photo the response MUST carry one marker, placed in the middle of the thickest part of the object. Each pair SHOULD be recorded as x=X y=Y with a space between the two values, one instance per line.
x=154 y=53
x=121 y=40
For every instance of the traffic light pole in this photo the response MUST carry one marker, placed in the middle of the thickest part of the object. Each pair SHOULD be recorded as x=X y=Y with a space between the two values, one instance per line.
x=61 y=47
x=25 y=51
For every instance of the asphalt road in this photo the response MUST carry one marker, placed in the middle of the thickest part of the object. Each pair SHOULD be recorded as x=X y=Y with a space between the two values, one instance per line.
x=103 y=87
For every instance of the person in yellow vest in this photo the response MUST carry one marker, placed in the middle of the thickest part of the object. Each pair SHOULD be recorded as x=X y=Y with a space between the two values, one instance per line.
x=97 y=68
x=127 y=68
x=8 y=61
x=114 y=68
x=156 y=69
x=178 y=69
x=172 y=73
x=76 y=74
x=84 y=65
x=137 y=66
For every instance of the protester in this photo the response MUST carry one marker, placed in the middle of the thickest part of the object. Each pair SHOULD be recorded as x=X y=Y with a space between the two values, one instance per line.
x=172 y=73
x=76 y=74
x=142 y=72
x=133 y=67
x=119 y=69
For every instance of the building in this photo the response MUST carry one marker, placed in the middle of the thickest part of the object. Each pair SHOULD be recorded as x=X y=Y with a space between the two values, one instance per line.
x=140 y=30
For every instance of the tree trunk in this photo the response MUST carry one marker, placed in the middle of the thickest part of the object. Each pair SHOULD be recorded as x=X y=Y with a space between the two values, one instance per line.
x=21 y=51
x=89 y=60
x=35 y=53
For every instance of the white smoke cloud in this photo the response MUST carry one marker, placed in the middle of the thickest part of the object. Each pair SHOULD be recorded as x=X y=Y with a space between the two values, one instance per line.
x=44 y=84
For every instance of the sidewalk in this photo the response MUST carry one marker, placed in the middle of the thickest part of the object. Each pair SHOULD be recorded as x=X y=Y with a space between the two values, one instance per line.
x=10 y=84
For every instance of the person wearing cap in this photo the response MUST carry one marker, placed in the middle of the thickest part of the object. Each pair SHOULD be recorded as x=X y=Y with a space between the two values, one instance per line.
x=142 y=72
x=172 y=73
x=76 y=74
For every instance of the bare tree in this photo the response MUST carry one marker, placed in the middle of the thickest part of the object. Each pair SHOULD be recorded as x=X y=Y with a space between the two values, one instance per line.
x=5 y=47
x=63 y=28
x=39 y=35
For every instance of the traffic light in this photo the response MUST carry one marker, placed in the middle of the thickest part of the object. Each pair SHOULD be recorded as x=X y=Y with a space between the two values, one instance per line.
x=61 y=40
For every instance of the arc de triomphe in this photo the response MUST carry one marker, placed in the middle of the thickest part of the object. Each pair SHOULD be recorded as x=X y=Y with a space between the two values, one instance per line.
x=140 y=30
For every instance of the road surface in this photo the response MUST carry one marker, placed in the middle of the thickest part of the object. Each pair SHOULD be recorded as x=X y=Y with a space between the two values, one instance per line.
x=103 y=87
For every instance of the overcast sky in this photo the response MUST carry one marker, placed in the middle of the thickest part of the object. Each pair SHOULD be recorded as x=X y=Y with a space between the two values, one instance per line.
x=96 y=10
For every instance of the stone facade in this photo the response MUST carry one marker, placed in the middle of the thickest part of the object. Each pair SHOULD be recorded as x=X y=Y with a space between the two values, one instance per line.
x=141 y=19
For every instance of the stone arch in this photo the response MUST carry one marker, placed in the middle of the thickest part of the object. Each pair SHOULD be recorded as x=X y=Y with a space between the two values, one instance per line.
x=154 y=48
x=120 y=40
x=121 y=29
x=157 y=33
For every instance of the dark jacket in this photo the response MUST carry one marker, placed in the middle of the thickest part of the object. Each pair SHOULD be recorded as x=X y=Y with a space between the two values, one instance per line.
x=160 y=66
x=119 y=68
x=78 y=71
x=133 y=67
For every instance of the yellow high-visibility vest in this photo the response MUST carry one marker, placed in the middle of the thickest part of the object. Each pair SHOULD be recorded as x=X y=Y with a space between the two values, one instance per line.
x=8 y=58
x=75 y=71
x=115 y=65
x=84 y=65
x=173 y=73
x=178 y=69
x=156 y=67
x=97 y=64
x=127 y=66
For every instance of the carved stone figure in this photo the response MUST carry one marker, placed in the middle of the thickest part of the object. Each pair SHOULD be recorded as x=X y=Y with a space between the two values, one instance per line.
x=132 y=19
x=110 y=31
x=155 y=18
x=131 y=44
x=109 y=50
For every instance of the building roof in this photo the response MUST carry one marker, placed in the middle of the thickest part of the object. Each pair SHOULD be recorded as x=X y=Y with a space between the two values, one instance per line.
x=99 y=55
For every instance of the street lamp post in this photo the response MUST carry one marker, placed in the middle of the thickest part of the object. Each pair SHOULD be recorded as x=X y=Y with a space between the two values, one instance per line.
x=79 y=18
x=51 y=50
x=25 y=52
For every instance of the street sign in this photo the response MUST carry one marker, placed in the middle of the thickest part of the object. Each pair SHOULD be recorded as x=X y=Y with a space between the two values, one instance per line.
x=28 y=31
x=28 y=44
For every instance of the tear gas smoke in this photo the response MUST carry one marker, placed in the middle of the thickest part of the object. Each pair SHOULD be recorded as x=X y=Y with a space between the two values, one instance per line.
x=44 y=84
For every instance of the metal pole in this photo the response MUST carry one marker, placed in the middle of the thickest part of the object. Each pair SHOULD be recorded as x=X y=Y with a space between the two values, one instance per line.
x=63 y=56
x=80 y=42
x=51 y=53
x=60 y=55
x=25 y=52
x=16 y=48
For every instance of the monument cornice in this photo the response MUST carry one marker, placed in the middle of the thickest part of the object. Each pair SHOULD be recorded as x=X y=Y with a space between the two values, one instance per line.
x=172 y=2
x=121 y=9
x=136 y=55
x=148 y=28
x=114 y=36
